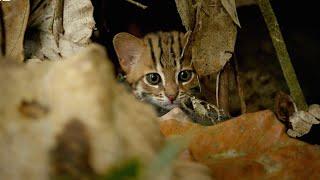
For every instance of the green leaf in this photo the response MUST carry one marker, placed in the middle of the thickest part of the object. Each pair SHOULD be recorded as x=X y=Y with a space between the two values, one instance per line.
x=129 y=169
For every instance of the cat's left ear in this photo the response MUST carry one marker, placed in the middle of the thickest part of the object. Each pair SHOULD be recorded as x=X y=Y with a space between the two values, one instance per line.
x=128 y=48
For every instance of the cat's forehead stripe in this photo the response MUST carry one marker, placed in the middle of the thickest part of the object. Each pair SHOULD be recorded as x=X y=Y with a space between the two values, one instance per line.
x=166 y=49
x=179 y=43
x=151 y=50
x=160 y=46
x=172 y=52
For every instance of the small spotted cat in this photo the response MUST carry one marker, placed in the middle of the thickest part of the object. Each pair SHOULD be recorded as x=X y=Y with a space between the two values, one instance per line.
x=156 y=67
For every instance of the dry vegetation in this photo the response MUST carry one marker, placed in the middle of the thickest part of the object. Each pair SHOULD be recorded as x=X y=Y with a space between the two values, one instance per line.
x=64 y=115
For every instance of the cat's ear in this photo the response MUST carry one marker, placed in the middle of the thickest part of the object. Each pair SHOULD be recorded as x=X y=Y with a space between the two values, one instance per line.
x=128 y=49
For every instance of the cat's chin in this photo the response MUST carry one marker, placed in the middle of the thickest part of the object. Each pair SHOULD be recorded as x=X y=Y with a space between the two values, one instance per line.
x=169 y=106
x=166 y=105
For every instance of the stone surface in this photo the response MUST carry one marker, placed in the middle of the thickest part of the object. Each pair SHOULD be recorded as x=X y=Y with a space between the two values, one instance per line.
x=71 y=119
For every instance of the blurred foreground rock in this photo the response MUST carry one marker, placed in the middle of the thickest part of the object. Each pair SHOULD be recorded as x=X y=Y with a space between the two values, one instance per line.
x=71 y=119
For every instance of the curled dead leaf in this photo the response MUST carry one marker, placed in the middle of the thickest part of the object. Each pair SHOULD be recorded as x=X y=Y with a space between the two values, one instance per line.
x=284 y=106
x=59 y=29
x=302 y=121
x=314 y=110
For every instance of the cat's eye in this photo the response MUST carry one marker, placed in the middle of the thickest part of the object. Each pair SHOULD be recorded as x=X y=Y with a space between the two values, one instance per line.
x=185 y=76
x=153 y=78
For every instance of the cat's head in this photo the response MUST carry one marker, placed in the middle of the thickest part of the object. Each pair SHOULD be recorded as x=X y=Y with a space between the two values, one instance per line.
x=155 y=68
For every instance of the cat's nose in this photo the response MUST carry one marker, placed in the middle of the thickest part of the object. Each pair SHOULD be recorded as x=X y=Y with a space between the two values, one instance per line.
x=171 y=98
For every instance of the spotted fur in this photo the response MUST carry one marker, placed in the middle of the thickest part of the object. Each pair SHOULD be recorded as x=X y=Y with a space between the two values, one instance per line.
x=159 y=53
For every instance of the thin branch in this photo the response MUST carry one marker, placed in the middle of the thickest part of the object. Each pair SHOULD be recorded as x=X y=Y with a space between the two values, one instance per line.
x=282 y=54
x=217 y=89
x=137 y=4
x=239 y=85
x=223 y=92
x=2 y=33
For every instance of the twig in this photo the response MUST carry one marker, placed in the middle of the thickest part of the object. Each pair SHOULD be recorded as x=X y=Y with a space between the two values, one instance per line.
x=2 y=33
x=282 y=54
x=223 y=93
x=137 y=4
x=238 y=84
x=217 y=89
x=57 y=23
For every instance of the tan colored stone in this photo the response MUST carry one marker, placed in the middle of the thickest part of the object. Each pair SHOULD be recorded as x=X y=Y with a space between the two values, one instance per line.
x=71 y=118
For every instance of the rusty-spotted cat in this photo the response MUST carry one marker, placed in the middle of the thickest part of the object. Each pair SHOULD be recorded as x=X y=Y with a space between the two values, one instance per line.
x=156 y=68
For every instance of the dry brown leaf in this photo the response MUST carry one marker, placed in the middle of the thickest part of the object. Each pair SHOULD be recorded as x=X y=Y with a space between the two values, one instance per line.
x=59 y=28
x=16 y=13
x=252 y=146
x=187 y=13
x=214 y=37
x=214 y=32
x=301 y=122
x=230 y=6
x=298 y=123
x=284 y=107
x=240 y=3
x=314 y=110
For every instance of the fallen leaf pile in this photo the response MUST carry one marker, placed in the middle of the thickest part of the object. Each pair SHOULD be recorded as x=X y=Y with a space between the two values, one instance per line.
x=251 y=146
x=71 y=118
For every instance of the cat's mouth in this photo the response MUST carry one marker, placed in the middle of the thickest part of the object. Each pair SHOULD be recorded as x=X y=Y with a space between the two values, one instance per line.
x=169 y=105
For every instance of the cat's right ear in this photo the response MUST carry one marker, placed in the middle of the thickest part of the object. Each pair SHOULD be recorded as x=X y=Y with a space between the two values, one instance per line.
x=128 y=48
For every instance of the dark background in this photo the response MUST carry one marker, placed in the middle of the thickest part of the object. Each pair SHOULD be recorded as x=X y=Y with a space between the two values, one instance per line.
x=298 y=21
